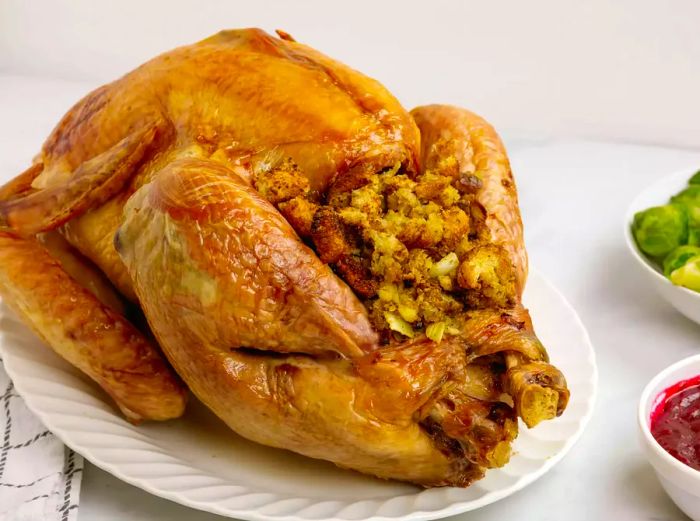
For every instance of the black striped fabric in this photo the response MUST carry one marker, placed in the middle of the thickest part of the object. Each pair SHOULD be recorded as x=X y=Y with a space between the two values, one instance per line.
x=39 y=476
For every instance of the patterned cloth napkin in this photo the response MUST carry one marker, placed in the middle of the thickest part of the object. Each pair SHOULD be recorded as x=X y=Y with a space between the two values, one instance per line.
x=39 y=476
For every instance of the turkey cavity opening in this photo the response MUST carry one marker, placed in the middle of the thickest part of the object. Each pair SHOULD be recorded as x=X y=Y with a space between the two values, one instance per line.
x=414 y=248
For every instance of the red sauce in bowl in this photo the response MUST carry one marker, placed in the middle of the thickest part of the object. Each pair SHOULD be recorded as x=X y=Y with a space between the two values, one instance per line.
x=675 y=421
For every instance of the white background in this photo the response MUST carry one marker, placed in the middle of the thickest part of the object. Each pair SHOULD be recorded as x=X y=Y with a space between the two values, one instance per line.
x=546 y=73
x=622 y=69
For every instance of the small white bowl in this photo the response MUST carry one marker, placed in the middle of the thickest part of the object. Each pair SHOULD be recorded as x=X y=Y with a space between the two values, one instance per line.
x=683 y=299
x=681 y=482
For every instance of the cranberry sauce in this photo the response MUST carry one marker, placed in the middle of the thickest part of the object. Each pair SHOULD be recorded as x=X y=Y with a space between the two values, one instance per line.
x=675 y=421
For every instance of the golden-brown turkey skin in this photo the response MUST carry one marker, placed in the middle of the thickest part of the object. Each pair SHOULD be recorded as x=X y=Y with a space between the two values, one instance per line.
x=216 y=269
x=208 y=253
x=172 y=156
x=239 y=93
x=90 y=335
x=243 y=97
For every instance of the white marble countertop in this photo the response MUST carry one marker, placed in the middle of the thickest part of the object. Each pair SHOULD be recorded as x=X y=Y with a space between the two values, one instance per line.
x=573 y=197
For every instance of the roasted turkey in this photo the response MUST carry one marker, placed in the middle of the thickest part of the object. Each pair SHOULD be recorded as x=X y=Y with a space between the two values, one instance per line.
x=327 y=272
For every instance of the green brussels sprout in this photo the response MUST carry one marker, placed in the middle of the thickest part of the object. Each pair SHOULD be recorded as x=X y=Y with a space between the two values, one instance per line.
x=688 y=275
x=689 y=196
x=693 y=215
x=694 y=236
x=679 y=257
x=695 y=180
x=660 y=229
x=690 y=199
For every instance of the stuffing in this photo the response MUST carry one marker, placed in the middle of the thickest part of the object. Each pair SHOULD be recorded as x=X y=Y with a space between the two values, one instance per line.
x=299 y=212
x=281 y=183
x=355 y=272
x=414 y=248
x=487 y=275
x=367 y=200
x=388 y=256
x=456 y=228
x=328 y=235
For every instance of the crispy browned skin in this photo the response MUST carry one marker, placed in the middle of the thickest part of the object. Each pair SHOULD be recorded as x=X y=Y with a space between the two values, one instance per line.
x=204 y=167
x=295 y=104
x=234 y=269
x=212 y=292
x=243 y=97
x=82 y=271
x=87 y=333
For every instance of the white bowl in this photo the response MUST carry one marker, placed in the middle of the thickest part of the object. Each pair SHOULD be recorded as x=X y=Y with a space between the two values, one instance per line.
x=681 y=482
x=684 y=300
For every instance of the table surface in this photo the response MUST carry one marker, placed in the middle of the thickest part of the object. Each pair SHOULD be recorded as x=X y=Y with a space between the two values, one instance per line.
x=573 y=197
